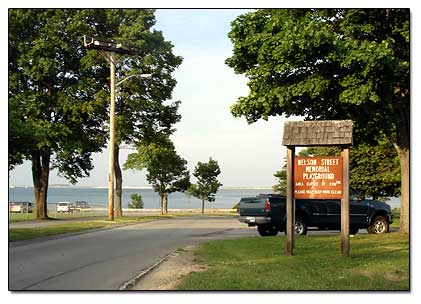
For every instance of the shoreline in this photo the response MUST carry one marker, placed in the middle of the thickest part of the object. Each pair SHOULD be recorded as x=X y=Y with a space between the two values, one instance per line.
x=135 y=187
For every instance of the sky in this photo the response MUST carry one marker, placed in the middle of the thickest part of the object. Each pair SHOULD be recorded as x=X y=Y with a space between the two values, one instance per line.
x=248 y=155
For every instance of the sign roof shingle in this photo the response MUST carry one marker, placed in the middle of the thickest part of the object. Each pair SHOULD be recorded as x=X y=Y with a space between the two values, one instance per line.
x=317 y=133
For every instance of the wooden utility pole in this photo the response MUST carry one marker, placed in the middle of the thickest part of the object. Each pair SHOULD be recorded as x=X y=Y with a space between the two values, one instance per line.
x=112 y=140
x=107 y=48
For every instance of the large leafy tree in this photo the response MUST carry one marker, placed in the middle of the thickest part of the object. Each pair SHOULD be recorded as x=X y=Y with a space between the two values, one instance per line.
x=166 y=170
x=47 y=57
x=207 y=182
x=330 y=64
x=56 y=115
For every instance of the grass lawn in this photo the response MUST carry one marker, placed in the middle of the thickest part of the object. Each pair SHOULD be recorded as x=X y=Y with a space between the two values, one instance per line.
x=396 y=218
x=377 y=262
x=19 y=217
x=18 y=234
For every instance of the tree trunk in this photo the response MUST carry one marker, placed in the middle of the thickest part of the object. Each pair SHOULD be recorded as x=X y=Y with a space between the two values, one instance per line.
x=162 y=203
x=118 y=183
x=40 y=175
x=203 y=206
x=404 y=161
x=165 y=202
x=401 y=106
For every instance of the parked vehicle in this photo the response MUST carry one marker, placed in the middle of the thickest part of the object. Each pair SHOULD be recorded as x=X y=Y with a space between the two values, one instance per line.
x=21 y=207
x=81 y=204
x=268 y=213
x=65 y=207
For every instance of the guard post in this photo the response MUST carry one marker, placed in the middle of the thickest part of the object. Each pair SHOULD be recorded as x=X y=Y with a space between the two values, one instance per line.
x=318 y=133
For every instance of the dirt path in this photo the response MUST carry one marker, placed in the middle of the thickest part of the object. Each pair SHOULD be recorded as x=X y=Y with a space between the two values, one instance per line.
x=169 y=273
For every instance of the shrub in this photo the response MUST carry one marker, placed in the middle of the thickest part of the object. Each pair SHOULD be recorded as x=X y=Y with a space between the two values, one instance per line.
x=137 y=201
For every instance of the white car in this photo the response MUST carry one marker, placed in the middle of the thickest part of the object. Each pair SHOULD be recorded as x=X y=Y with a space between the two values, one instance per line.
x=65 y=207
x=21 y=207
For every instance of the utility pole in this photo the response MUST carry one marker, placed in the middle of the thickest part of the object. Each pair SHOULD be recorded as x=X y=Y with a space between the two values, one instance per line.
x=112 y=139
x=107 y=48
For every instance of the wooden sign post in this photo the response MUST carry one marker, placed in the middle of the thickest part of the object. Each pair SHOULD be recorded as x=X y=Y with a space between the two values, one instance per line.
x=328 y=178
x=290 y=201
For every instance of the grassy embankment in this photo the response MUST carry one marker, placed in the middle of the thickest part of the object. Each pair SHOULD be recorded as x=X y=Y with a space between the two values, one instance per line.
x=377 y=262
x=20 y=217
x=18 y=234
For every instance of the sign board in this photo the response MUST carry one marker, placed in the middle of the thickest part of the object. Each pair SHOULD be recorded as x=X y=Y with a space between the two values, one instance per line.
x=318 y=178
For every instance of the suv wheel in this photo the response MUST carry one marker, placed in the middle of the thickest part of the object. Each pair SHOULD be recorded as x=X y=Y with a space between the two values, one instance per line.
x=380 y=225
x=300 y=226
x=266 y=230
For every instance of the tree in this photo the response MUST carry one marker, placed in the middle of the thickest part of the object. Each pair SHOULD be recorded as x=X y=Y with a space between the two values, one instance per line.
x=55 y=111
x=140 y=109
x=281 y=184
x=374 y=171
x=46 y=46
x=207 y=183
x=167 y=172
x=137 y=201
x=330 y=64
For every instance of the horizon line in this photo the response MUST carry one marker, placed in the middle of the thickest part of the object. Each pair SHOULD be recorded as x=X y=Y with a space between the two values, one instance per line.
x=132 y=187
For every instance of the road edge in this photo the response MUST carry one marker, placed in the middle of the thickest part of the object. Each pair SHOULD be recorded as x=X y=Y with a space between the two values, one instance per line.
x=128 y=284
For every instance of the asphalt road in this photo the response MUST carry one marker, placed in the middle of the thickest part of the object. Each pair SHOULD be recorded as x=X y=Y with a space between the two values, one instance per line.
x=104 y=260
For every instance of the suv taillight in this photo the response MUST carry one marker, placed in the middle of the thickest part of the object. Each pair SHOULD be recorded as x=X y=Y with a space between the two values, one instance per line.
x=267 y=206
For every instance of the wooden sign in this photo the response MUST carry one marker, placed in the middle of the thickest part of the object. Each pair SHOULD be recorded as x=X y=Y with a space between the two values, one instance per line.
x=309 y=179
x=318 y=178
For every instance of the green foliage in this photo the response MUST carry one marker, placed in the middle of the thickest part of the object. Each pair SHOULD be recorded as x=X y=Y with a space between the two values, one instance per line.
x=281 y=184
x=59 y=92
x=167 y=172
x=140 y=108
x=375 y=171
x=53 y=105
x=207 y=182
x=137 y=201
x=326 y=64
x=320 y=151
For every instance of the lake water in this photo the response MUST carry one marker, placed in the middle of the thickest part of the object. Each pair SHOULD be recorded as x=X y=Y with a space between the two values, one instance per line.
x=225 y=198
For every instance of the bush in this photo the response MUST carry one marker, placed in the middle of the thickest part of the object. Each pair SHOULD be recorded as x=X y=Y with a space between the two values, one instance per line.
x=137 y=201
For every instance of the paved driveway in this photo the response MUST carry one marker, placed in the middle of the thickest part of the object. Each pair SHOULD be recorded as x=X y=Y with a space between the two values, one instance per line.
x=104 y=260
